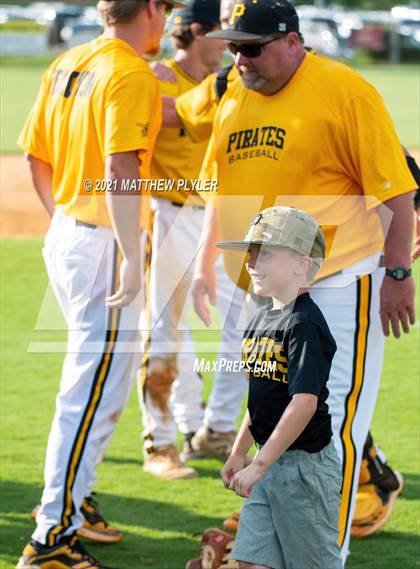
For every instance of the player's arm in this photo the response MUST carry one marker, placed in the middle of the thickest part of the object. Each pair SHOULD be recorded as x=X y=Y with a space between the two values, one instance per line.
x=397 y=297
x=204 y=280
x=170 y=118
x=128 y=133
x=124 y=211
x=42 y=173
x=241 y=446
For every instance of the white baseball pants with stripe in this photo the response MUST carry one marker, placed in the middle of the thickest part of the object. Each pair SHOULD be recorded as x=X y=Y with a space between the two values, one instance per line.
x=175 y=398
x=98 y=369
x=350 y=304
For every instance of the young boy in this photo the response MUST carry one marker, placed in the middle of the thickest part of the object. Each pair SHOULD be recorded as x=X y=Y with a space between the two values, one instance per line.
x=290 y=517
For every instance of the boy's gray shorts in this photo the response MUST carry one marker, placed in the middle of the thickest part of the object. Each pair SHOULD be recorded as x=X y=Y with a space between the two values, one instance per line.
x=290 y=521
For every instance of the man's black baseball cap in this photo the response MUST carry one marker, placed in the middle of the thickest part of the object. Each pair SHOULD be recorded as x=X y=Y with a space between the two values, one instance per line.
x=257 y=19
x=206 y=12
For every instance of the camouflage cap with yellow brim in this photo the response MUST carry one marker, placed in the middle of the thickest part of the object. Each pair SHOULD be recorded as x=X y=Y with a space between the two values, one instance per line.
x=284 y=227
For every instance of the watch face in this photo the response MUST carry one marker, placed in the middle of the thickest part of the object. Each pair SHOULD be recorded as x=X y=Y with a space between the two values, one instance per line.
x=399 y=274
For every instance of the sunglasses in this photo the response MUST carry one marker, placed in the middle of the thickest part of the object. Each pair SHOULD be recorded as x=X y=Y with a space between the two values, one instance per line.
x=167 y=6
x=249 y=50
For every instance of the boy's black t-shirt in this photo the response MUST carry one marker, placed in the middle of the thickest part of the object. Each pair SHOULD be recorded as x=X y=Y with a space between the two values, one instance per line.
x=289 y=351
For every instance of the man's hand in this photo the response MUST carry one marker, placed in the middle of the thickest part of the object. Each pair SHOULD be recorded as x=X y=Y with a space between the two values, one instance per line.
x=397 y=305
x=244 y=480
x=234 y=464
x=130 y=284
x=204 y=284
x=164 y=73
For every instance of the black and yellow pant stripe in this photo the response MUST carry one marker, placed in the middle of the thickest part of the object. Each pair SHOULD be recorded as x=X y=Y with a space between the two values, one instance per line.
x=364 y=294
x=147 y=307
x=96 y=392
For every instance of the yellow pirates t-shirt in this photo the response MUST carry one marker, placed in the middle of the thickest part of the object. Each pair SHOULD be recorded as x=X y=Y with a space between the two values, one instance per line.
x=177 y=158
x=325 y=144
x=197 y=107
x=96 y=99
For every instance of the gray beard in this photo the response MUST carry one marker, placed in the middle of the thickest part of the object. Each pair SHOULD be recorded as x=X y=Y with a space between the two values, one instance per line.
x=253 y=84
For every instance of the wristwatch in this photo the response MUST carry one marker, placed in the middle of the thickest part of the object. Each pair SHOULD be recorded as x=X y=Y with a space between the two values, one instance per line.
x=398 y=273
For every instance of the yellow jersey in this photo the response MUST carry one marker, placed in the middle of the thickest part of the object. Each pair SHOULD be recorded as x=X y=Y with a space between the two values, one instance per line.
x=325 y=144
x=197 y=107
x=96 y=99
x=176 y=156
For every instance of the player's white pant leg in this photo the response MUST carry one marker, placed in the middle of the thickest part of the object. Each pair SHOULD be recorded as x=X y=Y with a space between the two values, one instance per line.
x=229 y=387
x=81 y=264
x=176 y=232
x=352 y=313
x=187 y=396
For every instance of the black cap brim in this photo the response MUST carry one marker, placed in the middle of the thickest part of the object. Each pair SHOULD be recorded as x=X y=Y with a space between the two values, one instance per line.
x=234 y=35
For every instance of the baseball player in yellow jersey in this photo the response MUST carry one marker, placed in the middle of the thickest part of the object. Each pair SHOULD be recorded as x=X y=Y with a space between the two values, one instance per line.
x=89 y=124
x=178 y=218
x=301 y=130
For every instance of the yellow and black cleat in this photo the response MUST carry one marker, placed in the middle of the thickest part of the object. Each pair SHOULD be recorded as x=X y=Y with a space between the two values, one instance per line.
x=67 y=554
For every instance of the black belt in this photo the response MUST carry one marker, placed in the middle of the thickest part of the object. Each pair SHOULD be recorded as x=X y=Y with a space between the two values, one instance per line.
x=84 y=224
x=182 y=204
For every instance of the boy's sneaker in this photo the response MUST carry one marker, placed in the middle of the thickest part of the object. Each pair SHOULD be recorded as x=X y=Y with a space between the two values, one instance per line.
x=215 y=552
x=164 y=462
x=95 y=527
x=67 y=554
x=214 y=444
x=379 y=487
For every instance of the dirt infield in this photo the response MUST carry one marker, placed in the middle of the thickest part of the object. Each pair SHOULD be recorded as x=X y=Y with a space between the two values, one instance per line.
x=21 y=211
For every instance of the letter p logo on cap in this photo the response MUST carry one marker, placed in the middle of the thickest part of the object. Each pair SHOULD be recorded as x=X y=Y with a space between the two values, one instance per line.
x=237 y=12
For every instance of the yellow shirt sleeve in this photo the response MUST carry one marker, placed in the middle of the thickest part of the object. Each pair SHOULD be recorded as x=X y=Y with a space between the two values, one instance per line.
x=32 y=138
x=370 y=150
x=197 y=107
x=208 y=170
x=131 y=101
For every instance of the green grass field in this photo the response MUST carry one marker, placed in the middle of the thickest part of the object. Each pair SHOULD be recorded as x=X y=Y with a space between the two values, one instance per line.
x=163 y=521
x=20 y=79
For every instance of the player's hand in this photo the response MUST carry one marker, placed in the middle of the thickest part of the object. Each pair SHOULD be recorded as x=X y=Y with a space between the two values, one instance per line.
x=204 y=284
x=244 y=480
x=234 y=464
x=164 y=73
x=130 y=284
x=397 y=305
x=416 y=251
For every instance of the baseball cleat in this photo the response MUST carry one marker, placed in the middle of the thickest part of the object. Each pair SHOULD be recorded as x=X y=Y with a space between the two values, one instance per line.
x=95 y=527
x=232 y=523
x=164 y=462
x=379 y=487
x=215 y=552
x=69 y=553
x=374 y=506
x=213 y=444
x=188 y=453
